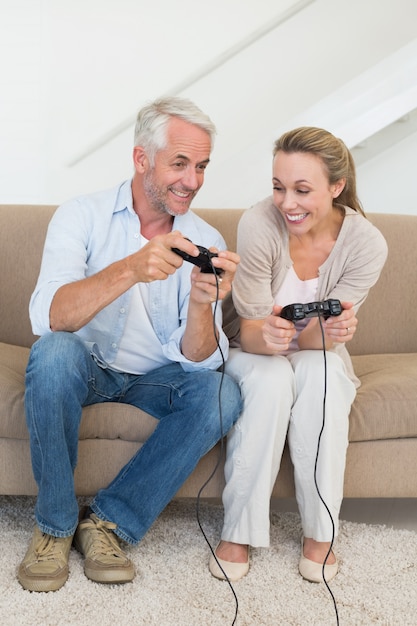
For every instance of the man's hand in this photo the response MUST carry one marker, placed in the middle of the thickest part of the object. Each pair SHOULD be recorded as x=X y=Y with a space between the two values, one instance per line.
x=199 y=340
x=207 y=288
x=157 y=260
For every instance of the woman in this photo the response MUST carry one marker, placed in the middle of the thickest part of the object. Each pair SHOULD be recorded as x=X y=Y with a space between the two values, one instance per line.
x=309 y=242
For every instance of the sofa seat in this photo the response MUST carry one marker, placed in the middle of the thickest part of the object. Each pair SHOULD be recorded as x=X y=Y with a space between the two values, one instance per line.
x=103 y=421
x=384 y=407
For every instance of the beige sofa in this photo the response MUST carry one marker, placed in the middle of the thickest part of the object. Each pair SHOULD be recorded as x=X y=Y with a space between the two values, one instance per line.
x=382 y=455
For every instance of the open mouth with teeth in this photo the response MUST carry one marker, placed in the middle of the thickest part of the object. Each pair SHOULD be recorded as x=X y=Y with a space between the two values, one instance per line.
x=294 y=219
x=180 y=194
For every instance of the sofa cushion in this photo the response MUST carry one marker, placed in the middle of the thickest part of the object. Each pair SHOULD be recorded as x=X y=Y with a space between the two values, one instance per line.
x=384 y=407
x=105 y=421
x=13 y=361
x=113 y=420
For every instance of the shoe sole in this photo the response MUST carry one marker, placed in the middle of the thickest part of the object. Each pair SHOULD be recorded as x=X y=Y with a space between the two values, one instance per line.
x=109 y=576
x=41 y=585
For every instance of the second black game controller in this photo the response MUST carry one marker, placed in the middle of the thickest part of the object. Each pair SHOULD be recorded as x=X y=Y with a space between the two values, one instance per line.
x=203 y=260
x=325 y=309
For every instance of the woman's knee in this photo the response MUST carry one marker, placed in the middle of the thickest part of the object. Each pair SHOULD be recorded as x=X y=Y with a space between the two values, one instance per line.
x=332 y=371
x=258 y=369
x=312 y=365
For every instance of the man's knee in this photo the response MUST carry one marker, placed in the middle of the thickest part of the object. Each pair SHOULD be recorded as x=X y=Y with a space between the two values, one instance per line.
x=232 y=395
x=58 y=345
x=222 y=399
x=58 y=355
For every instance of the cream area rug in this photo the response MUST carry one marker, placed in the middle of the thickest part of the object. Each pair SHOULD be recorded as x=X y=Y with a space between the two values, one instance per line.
x=377 y=582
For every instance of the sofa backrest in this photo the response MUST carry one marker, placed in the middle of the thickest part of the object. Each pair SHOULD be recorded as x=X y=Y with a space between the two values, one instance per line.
x=22 y=231
x=387 y=319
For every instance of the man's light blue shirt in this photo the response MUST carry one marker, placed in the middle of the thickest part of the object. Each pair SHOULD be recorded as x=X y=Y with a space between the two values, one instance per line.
x=89 y=233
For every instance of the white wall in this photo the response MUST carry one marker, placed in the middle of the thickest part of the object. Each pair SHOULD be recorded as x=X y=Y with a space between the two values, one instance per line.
x=73 y=73
x=386 y=182
x=22 y=128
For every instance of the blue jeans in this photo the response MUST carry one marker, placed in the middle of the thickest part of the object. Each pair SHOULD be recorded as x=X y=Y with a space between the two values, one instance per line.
x=62 y=377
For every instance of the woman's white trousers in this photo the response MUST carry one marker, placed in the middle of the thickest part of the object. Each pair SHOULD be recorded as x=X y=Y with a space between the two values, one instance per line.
x=285 y=396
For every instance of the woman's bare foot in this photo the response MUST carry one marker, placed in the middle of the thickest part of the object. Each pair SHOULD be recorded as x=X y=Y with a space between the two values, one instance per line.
x=232 y=552
x=317 y=550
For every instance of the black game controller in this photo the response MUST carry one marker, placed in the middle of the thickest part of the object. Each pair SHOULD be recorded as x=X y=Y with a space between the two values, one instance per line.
x=295 y=312
x=203 y=260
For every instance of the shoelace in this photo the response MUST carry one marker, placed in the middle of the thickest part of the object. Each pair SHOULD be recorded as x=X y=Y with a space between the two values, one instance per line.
x=104 y=540
x=49 y=548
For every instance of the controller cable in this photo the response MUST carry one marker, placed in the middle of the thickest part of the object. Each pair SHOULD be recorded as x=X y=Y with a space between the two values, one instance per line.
x=315 y=468
x=221 y=452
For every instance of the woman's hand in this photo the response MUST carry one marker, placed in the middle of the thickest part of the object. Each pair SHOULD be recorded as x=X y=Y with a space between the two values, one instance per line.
x=277 y=332
x=341 y=328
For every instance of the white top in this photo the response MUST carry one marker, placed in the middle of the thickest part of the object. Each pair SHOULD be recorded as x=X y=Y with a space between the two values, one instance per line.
x=149 y=355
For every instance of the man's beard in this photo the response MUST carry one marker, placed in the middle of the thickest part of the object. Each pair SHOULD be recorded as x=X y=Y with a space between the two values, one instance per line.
x=156 y=197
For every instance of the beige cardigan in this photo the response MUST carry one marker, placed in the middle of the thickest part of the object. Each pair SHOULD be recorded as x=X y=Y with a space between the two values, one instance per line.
x=351 y=269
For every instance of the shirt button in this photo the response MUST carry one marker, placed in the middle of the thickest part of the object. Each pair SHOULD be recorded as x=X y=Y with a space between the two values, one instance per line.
x=122 y=310
x=136 y=235
x=114 y=346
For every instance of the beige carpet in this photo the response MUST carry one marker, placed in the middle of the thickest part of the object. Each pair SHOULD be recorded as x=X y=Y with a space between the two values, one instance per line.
x=377 y=583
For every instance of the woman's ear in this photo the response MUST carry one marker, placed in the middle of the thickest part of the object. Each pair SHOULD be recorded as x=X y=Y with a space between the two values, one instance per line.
x=338 y=187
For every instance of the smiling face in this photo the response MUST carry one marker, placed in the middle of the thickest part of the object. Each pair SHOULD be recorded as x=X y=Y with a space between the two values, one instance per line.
x=170 y=185
x=302 y=192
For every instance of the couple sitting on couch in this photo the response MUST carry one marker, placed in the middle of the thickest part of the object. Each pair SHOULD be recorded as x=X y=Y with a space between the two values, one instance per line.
x=133 y=322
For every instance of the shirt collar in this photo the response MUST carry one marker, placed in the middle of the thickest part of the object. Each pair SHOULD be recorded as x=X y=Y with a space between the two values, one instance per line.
x=124 y=199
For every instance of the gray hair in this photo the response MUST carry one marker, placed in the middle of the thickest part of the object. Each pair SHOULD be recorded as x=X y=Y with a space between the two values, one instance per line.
x=152 y=122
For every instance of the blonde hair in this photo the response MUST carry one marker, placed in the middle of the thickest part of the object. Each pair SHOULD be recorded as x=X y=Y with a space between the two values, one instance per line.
x=335 y=156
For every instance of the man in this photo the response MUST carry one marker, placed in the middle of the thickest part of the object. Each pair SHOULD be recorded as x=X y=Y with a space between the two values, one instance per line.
x=124 y=318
